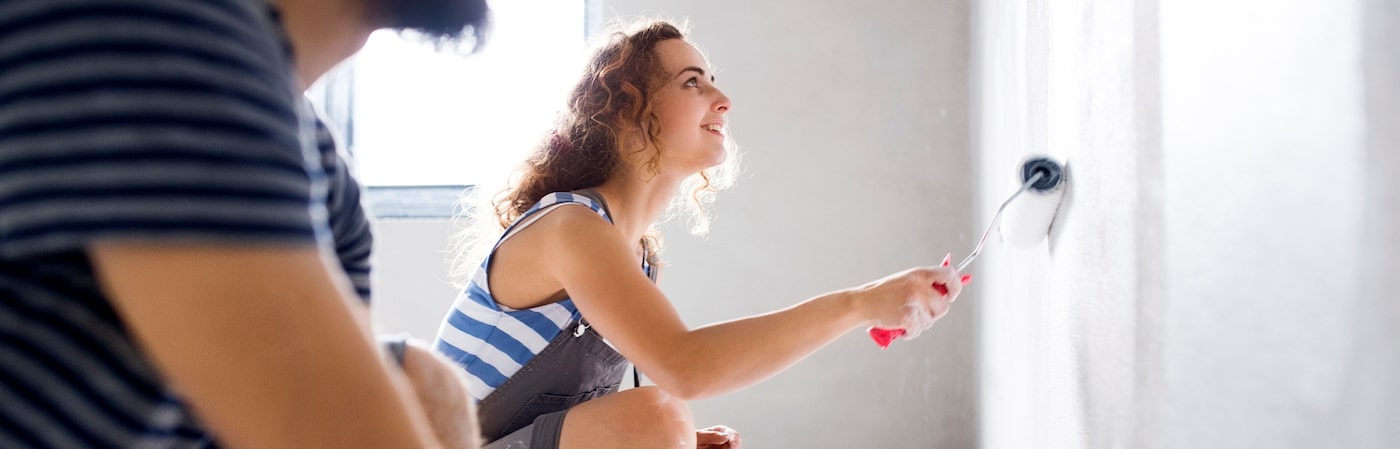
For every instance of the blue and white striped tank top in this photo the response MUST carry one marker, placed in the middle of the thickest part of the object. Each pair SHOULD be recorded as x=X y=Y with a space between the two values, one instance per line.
x=491 y=341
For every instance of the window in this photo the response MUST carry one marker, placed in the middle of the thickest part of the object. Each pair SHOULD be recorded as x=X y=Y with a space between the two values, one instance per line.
x=423 y=124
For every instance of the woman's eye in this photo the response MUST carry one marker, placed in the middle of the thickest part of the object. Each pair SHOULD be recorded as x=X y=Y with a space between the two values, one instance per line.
x=692 y=82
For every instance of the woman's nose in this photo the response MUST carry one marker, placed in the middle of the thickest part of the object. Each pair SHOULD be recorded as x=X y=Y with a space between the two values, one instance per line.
x=723 y=104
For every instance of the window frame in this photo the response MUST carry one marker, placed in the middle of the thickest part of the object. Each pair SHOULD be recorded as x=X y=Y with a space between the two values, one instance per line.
x=333 y=95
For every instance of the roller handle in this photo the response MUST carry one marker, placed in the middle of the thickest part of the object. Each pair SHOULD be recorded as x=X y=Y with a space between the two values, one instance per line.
x=884 y=336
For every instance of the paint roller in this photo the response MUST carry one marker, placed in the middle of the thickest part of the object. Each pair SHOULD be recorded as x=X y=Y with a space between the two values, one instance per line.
x=1042 y=180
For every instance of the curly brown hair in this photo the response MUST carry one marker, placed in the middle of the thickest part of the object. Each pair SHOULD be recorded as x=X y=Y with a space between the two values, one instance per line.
x=612 y=98
x=614 y=95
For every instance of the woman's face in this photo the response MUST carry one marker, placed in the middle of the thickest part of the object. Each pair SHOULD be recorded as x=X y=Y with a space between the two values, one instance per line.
x=690 y=111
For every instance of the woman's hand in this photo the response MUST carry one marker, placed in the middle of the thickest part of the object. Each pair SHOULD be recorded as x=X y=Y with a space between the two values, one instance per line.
x=442 y=391
x=910 y=300
x=717 y=437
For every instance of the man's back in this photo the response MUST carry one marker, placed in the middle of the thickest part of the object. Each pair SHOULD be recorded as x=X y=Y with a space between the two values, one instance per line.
x=141 y=120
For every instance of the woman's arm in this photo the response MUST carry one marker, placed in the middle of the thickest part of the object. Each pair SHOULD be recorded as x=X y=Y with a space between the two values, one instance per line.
x=596 y=266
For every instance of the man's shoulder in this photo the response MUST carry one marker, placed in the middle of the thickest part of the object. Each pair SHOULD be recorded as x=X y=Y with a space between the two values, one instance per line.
x=146 y=119
x=121 y=29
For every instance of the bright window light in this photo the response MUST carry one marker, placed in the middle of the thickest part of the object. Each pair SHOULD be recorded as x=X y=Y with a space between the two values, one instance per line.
x=416 y=116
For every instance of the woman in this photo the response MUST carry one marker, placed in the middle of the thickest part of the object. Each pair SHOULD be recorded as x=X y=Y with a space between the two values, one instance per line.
x=566 y=297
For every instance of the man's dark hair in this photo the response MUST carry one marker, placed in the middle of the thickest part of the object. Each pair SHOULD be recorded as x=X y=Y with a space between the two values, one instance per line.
x=443 y=22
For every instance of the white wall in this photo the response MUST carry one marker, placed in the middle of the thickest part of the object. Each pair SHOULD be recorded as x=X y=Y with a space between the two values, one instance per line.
x=854 y=120
x=1371 y=398
x=1263 y=136
x=412 y=288
x=1057 y=328
x=1217 y=276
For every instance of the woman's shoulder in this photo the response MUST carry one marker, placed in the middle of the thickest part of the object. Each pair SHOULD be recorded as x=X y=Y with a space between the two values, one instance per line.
x=549 y=205
x=531 y=266
x=572 y=221
x=562 y=218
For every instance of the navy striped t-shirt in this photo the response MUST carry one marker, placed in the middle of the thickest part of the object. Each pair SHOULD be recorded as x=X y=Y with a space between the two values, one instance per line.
x=154 y=120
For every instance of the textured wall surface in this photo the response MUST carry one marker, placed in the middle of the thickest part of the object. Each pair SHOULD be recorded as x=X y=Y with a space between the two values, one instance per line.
x=1216 y=275
x=1057 y=330
x=1371 y=401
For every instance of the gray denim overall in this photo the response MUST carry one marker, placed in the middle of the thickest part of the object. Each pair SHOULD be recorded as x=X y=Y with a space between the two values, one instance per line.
x=576 y=366
x=527 y=411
